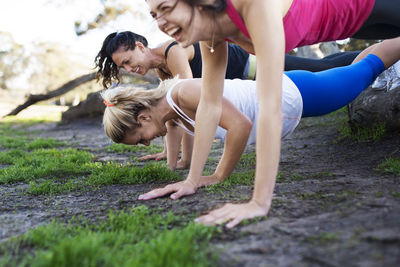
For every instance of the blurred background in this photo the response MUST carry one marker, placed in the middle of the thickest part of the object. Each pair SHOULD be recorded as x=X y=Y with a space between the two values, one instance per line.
x=47 y=43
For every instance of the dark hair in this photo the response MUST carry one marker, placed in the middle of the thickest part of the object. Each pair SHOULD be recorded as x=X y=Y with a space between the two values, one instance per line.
x=107 y=68
x=212 y=5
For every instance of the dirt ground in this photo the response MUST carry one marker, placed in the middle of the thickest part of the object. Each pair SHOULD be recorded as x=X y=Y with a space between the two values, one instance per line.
x=331 y=206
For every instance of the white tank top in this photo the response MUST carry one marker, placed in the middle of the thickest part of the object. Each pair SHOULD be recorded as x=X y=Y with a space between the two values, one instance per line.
x=243 y=95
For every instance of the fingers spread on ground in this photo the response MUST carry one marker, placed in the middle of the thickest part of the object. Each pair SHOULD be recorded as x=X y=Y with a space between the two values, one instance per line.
x=234 y=222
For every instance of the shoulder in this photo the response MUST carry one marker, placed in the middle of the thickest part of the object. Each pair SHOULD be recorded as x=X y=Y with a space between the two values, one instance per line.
x=187 y=92
x=165 y=47
x=172 y=47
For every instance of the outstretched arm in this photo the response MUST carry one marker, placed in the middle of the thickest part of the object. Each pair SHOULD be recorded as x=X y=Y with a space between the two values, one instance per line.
x=208 y=112
x=263 y=19
x=207 y=118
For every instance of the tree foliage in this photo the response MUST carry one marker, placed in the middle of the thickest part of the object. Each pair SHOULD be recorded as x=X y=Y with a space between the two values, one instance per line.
x=13 y=59
x=358 y=44
x=111 y=11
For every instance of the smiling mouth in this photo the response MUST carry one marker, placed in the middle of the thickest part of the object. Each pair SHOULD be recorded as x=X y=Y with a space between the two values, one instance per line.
x=174 y=33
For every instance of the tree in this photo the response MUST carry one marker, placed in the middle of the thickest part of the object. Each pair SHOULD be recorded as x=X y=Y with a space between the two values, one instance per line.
x=357 y=44
x=52 y=67
x=13 y=59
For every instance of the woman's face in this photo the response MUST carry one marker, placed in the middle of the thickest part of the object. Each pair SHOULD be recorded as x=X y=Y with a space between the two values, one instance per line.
x=179 y=20
x=149 y=130
x=132 y=60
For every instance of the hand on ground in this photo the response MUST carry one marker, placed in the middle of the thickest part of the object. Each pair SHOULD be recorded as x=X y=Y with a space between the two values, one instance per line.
x=178 y=190
x=158 y=156
x=233 y=214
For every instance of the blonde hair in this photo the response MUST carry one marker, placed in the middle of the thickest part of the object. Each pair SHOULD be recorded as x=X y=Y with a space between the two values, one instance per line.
x=124 y=103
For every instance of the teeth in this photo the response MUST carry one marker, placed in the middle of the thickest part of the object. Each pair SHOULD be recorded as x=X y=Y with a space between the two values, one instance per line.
x=137 y=69
x=172 y=32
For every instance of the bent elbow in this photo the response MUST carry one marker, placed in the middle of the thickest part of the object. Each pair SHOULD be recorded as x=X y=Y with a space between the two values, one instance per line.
x=247 y=126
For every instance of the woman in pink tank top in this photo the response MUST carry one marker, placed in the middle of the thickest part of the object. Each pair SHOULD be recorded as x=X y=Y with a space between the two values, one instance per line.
x=268 y=28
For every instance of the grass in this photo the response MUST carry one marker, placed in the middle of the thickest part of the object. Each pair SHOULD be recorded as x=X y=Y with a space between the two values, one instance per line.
x=362 y=134
x=246 y=177
x=390 y=165
x=50 y=168
x=137 y=237
x=323 y=238
x=122 y=148
x=113 y=173
x=43 y=163
x=359 y=134
x=51 y=171
x=238 y=178
x=27 y=143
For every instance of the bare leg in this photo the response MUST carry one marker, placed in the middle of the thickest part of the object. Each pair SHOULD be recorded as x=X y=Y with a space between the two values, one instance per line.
x=388 y=51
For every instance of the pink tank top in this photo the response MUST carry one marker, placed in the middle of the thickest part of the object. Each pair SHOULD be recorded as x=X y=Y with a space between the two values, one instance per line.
x=313 y=21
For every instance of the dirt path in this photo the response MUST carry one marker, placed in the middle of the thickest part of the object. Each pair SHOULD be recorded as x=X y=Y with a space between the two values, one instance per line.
x=331 y=207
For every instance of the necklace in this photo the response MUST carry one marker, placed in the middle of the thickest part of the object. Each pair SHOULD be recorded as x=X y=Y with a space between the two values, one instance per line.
x=212 y=40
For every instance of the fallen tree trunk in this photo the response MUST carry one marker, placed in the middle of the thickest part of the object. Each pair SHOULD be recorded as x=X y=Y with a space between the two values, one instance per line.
x=374 y=107
x=33 y=99
x=92 y=106
x=65 y=88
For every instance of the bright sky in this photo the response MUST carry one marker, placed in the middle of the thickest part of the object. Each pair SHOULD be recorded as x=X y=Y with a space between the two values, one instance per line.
x=32 y=21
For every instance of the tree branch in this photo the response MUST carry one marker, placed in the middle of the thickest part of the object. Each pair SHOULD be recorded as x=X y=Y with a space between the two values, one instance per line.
x=65 y=88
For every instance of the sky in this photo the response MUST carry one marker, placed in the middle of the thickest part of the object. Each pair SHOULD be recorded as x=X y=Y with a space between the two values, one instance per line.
x=32 y=21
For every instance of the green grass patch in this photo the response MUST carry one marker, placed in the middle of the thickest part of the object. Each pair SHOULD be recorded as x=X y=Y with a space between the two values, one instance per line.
x=390 y=165
x=45 y=163
x=122 y=148
x=280 y=177
x=137 y=237
x=362 y=134
x=39 y=143
x=50 y=187
x=247 y=160
x=13 y=126
x=52 y=171
x=237 y=178
x=114 y=173
x=13 y=136
x=297 y=177
x=359 y=134
x=324 y=238
x=11 y=156
x=395 y=194
x=8 y=142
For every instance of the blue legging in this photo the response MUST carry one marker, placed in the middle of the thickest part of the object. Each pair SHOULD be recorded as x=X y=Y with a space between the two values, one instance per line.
x=329 y=90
